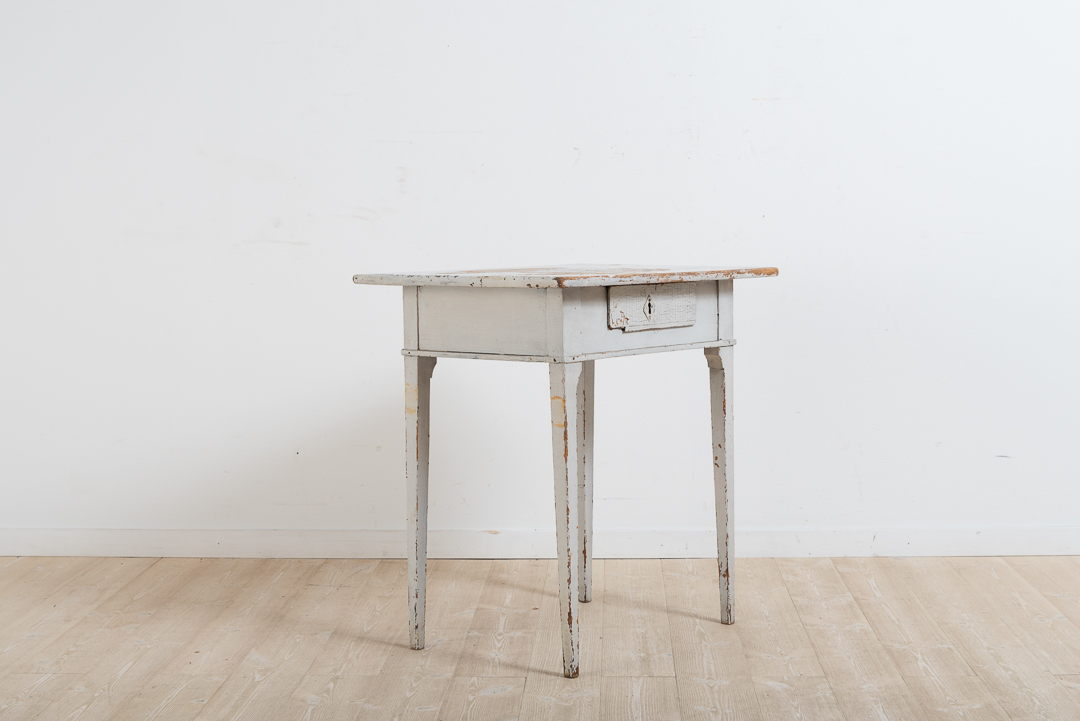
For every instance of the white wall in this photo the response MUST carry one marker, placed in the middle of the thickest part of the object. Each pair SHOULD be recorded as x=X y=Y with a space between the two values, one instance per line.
x=186 y=189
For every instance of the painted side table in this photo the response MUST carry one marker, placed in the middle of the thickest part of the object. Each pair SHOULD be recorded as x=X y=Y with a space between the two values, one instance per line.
x=567 y=317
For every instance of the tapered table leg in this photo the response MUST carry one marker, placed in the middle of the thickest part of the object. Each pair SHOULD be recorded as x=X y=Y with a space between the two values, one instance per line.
x=723 y=434
x=417 y=423
x=568 y=451
x=585 y=478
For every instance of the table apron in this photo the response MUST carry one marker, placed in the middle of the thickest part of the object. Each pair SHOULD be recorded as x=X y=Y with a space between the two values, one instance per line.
x=566 y=359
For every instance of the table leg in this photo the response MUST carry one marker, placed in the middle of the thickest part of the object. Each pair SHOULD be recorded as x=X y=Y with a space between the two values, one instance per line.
x=585 y=494
x=417 y=424
x=721 y=367
x=568 y=447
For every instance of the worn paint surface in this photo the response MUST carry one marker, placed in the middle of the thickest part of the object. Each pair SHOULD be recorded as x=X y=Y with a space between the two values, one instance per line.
x=721 y=361
x=567 y=359
x=572 y=402
x=568 y=453
x=585 y=485
x=569 y=276
x=418 y=372
x=649 y=307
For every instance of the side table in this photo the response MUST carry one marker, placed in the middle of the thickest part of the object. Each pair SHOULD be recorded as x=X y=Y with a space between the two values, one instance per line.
x=567 y=317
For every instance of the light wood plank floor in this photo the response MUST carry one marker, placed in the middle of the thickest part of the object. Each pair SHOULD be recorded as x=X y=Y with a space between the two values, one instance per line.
x=838 y=639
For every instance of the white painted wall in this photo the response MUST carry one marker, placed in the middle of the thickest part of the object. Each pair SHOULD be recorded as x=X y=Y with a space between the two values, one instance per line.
x=186 y=189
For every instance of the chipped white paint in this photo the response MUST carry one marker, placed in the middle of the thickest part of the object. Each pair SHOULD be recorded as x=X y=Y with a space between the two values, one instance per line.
x=568 y=446
x=721 y=382
x=418 y=372
x=489 y=320
x=725 y=295
x=567 y=276
x=585 y=476
x=410 y=299
x=560 y=316
x=553 y=324
x=572 y=358
x=650 y=307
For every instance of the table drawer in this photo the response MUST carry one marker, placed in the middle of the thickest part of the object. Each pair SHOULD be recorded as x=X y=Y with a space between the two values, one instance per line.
x=628 y=317
x=569 y=323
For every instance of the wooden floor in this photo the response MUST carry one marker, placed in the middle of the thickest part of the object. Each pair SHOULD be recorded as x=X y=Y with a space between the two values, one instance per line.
x=845 y=638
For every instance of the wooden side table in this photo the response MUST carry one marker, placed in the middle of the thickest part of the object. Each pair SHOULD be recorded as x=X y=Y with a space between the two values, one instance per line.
x=567 y=317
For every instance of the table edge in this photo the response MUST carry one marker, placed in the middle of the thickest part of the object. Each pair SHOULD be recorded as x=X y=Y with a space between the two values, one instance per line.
x=560 y=281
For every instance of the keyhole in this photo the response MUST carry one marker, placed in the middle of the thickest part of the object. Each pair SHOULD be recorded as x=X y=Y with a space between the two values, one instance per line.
x=648 y=307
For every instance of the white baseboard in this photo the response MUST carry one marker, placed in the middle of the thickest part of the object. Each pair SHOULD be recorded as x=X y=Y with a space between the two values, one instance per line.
x=749 y=542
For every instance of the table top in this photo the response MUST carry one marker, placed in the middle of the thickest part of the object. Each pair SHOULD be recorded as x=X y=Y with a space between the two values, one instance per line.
x=565 y=276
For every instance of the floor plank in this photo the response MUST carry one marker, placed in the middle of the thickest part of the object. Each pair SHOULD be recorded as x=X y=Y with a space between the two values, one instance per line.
x=955 y=698
x=371 y=629
x=145 y=606
x=639 y=699
x=453 y=591
x=179 y=697
x=328 y=698
x=797 y=698
x=710 y=699
x=512 y=594
x=491 y=699
x=66 y=607
x=1057 y=578
x=633 y=592
x=277 y=663
x=414 y=699
x=973 y=639
x=439 y=657
x=496 y=652
x=884 y=697
x=1041 y=627
x=219 y=647
x=864 y=679
x=503 y=633
x=640 y=650
x=1016 y=679
x=703 y=648
x=30 y=589
x=912 y=638
x=940 y=680
x=343 y=572
x=551 y=697
x=127 y=657
x=636 y=633
x=547 y=652
x=25 y=695
x=11 y=567
x=773 y=637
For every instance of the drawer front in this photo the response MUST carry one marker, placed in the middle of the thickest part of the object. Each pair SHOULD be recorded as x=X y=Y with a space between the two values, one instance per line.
x=651 y=307
x=623 y=318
